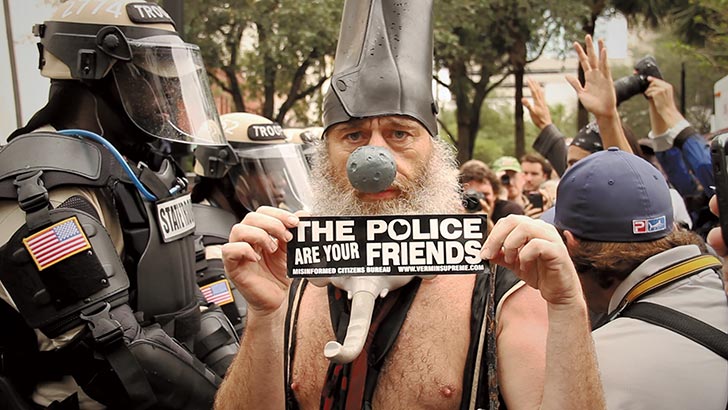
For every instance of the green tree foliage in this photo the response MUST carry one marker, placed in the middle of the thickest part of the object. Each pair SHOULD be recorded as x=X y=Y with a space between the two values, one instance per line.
x=272 y=52
x=703 y=24
x=700 y=75
x=531 y=29
x=496 y=138
x=481 y=42
x=470 y=46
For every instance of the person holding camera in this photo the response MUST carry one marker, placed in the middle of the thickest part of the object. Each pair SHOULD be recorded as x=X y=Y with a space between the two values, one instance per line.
x=681 y=151
x=536 y=171
x=597 y=95
x=509 y=172
x=480 y=192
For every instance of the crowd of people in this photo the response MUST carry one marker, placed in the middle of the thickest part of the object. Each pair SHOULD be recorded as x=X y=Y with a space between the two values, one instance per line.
x=124 y=285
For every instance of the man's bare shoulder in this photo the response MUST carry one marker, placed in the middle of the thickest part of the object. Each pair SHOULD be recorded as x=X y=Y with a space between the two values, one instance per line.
x=523 y=307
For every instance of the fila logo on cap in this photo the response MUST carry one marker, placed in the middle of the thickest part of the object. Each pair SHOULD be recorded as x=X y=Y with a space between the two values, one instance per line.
x=641 y=226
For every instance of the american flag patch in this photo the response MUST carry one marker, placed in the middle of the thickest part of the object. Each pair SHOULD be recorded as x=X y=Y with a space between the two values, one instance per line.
x=56 y=243
x=218 y=292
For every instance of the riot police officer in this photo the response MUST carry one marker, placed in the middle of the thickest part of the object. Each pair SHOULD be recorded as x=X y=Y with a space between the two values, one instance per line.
x=265 y=170
x=98 y=298
x=308 y=138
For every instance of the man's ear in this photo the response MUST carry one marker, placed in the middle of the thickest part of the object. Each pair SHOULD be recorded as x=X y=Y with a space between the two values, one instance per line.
x=571 y=241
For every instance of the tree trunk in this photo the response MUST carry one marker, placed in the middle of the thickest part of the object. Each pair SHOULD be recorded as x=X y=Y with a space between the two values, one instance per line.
x=582 y=115
x=469 y=98
x=295 y=93
x=459 y=88
x=234 y=89
x=269 y=75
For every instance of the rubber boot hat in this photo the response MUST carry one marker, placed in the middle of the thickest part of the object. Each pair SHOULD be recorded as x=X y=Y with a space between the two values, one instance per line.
x=383 y=67
x=383 y=63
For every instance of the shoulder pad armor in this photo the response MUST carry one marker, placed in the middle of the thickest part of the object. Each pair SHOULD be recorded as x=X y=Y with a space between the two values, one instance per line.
x=64 y=160
x=213 y=224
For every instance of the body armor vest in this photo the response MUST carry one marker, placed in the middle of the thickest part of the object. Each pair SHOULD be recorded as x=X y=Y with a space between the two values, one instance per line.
x=56 y=289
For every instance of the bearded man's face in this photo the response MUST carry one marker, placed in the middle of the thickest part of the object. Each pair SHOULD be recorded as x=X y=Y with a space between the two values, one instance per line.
x=426 y=180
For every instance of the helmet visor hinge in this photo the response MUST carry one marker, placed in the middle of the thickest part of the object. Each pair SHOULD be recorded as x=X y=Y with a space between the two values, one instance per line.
x=112 y=42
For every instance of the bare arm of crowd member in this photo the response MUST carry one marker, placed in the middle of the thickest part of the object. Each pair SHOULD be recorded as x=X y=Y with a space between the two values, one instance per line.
x=255 y=258
x=598 y=95
x=535 y=252
x=522 y=328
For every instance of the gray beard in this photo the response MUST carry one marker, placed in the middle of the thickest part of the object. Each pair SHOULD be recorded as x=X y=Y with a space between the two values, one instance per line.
x=435 y=190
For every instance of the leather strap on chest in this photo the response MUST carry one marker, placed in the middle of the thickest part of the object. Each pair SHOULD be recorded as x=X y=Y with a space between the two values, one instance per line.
x=289 y=338
x=351 y=386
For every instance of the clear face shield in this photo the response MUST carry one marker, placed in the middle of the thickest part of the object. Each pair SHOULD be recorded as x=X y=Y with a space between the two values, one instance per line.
x=165 y=91
x=273 y=175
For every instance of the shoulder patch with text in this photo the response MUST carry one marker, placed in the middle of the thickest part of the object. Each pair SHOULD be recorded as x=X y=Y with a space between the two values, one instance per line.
x=175 y=217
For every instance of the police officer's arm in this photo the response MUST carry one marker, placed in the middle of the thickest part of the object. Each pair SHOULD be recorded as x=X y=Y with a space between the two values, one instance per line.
x=534 y=251
x=598 y=94
x=255 y=259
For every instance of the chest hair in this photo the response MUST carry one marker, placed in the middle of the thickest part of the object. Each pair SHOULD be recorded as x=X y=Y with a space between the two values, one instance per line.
x=424 y=369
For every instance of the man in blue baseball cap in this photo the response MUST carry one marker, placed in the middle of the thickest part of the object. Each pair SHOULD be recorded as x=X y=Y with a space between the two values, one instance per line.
x=661 y=291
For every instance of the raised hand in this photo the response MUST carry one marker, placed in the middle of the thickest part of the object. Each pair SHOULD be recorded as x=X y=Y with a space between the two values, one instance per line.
x=660 y=95
x=539 y=110
x=597 y=95
x=535 y=252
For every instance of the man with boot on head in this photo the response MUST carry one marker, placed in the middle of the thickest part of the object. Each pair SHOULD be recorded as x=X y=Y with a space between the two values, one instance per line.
x=436 y=346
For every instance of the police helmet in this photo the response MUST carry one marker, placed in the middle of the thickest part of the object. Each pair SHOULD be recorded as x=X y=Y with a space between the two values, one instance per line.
x=160 y=79
x=270 y=170
x=308 y=138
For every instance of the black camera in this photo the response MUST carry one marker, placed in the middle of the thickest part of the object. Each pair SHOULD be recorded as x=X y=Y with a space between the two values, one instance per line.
x=505 y=179
x=628 y=87
x=471 y=200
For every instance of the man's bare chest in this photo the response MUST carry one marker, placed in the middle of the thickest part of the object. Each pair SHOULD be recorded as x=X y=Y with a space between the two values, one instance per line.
x=424 y=369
